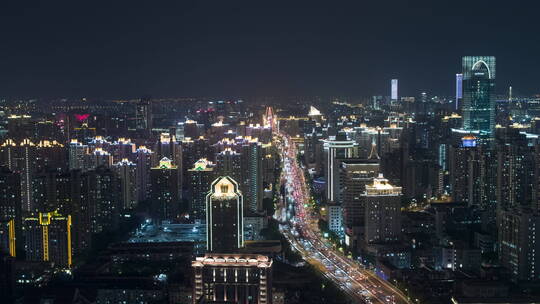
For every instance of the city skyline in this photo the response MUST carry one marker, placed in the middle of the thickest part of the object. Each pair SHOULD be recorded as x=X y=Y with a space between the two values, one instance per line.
x=383 y=152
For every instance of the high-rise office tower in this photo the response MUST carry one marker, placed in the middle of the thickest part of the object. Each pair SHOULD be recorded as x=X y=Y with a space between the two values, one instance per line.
x=336 y=148
x=355 y=175
x=224 y=216
x=127 y=173
x=459 y=90
x=201 y=177
x=10 y=210
x=519 y=243
x=394 y=92
x=77 y=155
x=382 y=211
x=478 y=94
x=252 y=168
x=165 y=190
x=48 y=238
x=145 y=159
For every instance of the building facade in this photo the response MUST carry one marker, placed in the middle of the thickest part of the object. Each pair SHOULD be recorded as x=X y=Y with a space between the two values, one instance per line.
x=478 y=94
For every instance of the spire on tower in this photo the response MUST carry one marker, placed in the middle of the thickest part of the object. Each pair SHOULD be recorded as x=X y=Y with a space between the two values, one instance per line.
x=373 y=154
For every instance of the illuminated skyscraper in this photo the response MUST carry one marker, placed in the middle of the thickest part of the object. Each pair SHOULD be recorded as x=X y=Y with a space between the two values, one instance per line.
x=224 y=275
x=224 y=216
x=336 y=148
x=355 y=174
x=478 y=94
x=48 y=238
x=394 y=92
x=459 y=90
x=382 y=211
x=252 y=156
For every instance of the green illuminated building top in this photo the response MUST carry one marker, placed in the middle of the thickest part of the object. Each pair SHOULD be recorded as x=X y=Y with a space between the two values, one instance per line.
x=478 y=94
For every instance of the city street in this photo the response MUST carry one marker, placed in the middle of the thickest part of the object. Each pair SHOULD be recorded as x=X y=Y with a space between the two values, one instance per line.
x=300 y=228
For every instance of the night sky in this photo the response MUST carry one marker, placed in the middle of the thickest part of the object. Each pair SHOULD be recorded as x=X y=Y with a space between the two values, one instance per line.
x=115 y=49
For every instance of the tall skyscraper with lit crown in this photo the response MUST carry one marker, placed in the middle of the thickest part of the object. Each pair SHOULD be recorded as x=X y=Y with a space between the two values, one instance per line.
x=479 y=94
x=224 y=216
x=383 y=211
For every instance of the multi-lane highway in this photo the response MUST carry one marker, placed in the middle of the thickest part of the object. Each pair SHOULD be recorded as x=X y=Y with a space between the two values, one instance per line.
x=299 y=226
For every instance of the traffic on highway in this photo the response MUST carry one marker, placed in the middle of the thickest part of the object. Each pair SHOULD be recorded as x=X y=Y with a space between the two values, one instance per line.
x=299 y=224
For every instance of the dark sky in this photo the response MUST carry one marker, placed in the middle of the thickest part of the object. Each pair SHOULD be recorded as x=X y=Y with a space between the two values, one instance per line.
x=185 y=48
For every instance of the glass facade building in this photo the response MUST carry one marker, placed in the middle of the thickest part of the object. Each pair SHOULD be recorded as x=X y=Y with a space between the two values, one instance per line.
x=394 y=92
x=459 y=90
x=478 y=94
